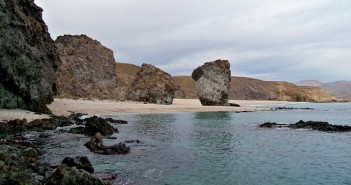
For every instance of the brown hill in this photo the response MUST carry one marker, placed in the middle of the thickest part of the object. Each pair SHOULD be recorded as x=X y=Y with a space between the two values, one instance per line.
x=252 y=89
x=126 y=74
x=339 y=89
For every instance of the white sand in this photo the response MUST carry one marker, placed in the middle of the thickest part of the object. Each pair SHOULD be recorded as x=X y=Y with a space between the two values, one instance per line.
x=92 y=107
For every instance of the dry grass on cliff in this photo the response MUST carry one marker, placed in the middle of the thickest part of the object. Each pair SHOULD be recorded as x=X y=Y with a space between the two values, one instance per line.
x=187 y=84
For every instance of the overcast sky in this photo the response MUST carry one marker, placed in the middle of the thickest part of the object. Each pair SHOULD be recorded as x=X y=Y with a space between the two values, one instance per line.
x=287 y=40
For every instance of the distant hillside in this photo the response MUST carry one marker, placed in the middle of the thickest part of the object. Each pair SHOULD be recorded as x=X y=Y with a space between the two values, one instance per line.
x=252 y=89
x=339 y=89
x=187 y=84
x=314 y=83
x=242 y=88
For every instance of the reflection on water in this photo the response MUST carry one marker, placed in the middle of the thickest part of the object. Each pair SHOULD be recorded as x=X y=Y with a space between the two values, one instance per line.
x=226 y=148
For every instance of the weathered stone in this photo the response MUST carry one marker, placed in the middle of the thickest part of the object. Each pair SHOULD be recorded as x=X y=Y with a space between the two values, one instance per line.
x=87 y=70
x=213 y=82
x=152 y=85
x=96 y=145
x=96 y=124
x=28 y=57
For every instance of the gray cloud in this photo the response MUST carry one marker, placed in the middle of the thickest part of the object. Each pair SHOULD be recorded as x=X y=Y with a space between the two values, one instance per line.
x=266 y=39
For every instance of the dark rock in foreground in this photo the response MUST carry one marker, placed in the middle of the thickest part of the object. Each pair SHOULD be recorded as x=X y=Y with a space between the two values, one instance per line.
x=80 y=162
x=213 y=82
x=314 y=125
x=96 y=124
x=28 y=57
x=96 y=145
x=65 y=175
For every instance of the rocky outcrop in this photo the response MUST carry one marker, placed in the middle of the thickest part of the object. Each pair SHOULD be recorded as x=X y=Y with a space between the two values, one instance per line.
x=152 y=85
x=96 y=145
x=28 y=57
x=313 y=125
x=213 y=82
x=87 y=70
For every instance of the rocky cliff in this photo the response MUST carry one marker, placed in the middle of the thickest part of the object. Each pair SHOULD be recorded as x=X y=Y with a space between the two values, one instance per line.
x=28 y=57
x=213 y=82
x=152 y=85
x=87 y=70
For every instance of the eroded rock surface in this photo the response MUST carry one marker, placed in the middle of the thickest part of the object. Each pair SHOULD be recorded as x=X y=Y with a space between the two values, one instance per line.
x=152 y=85
x=28 y=57
x=213 y=82
x=87 y=70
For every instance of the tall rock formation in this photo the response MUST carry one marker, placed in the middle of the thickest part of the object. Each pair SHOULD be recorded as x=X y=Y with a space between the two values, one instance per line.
x=152 y=85
x=28 y=57
x=87 y=70
x=213 y=82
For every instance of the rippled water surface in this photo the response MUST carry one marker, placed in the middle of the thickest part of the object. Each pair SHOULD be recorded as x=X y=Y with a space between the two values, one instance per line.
x=224 y=148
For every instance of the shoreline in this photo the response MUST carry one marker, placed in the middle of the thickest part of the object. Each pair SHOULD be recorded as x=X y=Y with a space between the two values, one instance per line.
x=64 y=107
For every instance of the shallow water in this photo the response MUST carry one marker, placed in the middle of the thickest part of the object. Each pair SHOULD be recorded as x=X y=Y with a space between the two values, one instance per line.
x=223 y=148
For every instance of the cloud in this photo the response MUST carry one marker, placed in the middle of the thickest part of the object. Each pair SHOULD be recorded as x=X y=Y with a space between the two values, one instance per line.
x=269 y=39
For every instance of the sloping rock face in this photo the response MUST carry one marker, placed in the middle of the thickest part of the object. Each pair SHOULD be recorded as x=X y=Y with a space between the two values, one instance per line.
x=152 y=85
x=28 y=57
x=87 y=70
x=213 y=82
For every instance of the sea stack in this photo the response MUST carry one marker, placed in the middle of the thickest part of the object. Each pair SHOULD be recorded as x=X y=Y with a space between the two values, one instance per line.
x=87 y=70
x=213 y=82
x=28 y=57
x=152 y=85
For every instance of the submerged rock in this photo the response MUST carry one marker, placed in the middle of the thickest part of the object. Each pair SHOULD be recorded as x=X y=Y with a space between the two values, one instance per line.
x=28 y=57
x=152 y=85
x=213 y=82
x=96 y=145
x=314 y=125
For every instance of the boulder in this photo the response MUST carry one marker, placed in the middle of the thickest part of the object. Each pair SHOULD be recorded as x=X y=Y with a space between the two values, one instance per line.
x=96 y=124
x=152 y=85
x=80 y=162
x=96 y=145
x=213 y=82
x=87 y=70
x=28 y=57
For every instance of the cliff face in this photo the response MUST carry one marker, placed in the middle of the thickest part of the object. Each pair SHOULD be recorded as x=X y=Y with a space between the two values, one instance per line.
x=87 y=70
x=28 y=57
x=291 y=92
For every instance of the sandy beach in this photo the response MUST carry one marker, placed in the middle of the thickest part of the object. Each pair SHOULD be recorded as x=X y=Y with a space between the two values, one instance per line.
x=65 y=107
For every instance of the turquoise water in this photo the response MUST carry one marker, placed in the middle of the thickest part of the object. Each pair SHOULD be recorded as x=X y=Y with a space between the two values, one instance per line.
x=226 y=148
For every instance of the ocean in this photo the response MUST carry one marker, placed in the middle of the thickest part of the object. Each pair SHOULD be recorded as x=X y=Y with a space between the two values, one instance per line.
x=223 y=148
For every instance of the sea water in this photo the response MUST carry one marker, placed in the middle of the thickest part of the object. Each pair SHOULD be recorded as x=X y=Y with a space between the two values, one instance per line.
x=225 y=148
